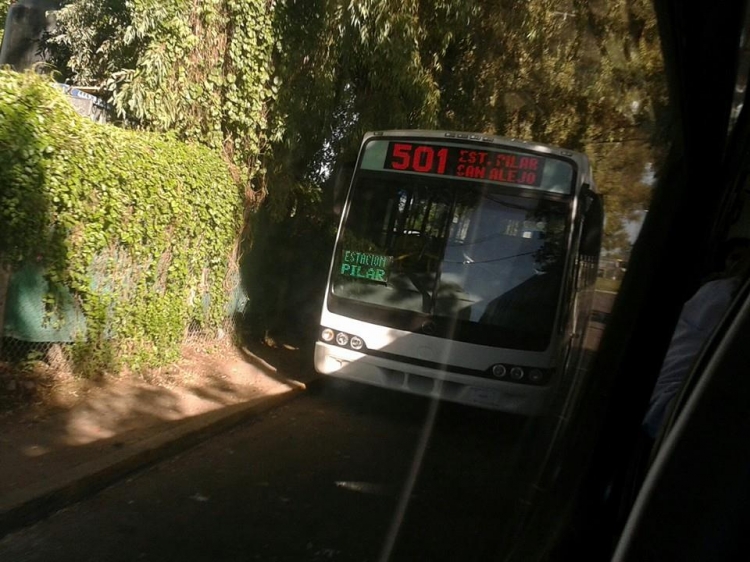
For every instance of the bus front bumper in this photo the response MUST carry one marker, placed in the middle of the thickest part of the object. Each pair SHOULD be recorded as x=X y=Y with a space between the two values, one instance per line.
x=508 y=397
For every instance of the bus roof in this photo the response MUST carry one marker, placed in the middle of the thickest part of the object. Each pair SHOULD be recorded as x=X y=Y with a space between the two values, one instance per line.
x=476 y=137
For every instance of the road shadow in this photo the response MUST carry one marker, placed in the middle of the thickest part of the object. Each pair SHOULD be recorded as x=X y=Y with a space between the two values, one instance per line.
x=36 y=446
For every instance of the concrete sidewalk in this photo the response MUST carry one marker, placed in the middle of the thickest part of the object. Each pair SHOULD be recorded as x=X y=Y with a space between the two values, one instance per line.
x=123 y=427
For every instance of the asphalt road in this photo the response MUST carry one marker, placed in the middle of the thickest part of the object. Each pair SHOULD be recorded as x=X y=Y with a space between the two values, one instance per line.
x=326 y=477
x=344 y=472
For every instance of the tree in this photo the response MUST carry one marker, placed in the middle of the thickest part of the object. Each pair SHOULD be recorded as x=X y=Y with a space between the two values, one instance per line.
x=582 y=75
x=286 y=89
x=198 y=69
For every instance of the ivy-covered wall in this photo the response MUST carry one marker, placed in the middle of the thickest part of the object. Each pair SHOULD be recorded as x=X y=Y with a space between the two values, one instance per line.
x=140 y=227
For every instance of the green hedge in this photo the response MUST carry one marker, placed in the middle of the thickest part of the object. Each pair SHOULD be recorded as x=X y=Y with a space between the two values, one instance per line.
x=140 y=227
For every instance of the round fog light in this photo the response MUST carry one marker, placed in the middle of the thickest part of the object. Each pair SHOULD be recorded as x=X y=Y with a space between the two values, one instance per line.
x=356 y=343
x=327 y=335
x=342 y=338
x=498 y=371
x=516 y=373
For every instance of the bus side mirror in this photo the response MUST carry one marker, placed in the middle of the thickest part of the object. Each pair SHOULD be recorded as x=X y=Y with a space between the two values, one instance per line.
x=588 y=197
x=342 y=178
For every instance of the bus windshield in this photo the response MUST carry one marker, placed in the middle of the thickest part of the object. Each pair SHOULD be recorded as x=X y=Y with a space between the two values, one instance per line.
x=483 y=263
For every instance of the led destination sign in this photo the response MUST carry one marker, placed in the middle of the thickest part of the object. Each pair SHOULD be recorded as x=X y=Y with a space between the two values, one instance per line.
x=362 y=265
x=470 y=163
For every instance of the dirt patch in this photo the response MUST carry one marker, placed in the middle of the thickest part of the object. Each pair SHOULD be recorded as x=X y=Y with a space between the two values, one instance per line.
x=54 y=421
x=219 y=370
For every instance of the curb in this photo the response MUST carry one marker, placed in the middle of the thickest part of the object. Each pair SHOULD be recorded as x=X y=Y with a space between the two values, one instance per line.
x=24 y=507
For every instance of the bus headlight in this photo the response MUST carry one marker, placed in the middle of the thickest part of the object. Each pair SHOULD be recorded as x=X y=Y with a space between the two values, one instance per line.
x=536 y=375
x=327 y=335
x=499 y=371
x=356 y=343
x=342 y=339
x=518 y=374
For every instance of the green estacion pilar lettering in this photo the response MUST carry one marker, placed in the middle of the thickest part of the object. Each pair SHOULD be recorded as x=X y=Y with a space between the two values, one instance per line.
x=363 y=265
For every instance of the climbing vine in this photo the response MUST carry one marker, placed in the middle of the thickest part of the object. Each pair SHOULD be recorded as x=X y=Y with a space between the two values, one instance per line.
x=141 y=227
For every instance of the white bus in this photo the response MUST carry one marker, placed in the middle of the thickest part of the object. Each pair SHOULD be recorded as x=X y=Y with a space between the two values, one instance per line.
x=463 y=269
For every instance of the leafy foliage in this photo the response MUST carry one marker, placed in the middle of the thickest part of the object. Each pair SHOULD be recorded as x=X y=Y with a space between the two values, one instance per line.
x=285 y=89
x=198 y=69
x=140 y=226
x=585 y=75
x=4 y=5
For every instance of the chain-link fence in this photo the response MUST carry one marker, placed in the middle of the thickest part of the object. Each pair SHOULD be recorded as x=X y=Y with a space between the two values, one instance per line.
x=32 y=332
x=40 y=346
